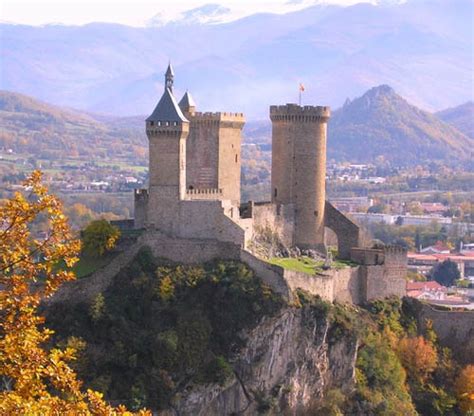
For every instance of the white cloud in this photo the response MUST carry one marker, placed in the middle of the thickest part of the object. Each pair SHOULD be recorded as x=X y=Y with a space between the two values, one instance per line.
x=134 y=12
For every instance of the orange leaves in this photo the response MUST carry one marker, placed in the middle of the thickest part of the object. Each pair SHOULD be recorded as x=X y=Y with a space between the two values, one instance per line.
x=418 y=356
x=464 y=389
x=39 y=381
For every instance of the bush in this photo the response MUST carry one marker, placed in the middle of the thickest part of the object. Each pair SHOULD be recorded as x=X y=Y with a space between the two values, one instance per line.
x=98 y=237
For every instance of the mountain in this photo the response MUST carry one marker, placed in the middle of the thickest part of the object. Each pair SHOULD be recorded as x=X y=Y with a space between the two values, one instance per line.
x=378 y=124
x=422 y=48
x=461 y=117
x=383 y=124
x=33 y=127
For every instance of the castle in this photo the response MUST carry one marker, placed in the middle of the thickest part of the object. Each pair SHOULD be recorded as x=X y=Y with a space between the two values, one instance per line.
x=192 y=211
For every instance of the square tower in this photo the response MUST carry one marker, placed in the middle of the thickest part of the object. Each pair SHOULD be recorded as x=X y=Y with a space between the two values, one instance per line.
x=213 y=155
x=167 y=130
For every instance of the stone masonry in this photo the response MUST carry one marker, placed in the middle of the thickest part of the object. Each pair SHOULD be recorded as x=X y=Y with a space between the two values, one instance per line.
x=193 y=199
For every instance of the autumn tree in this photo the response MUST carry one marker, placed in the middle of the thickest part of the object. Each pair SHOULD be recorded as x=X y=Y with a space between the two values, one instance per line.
x=418 y=356
x=445 y=273
x=464 y=388
x=36 y=381
x=99 y=237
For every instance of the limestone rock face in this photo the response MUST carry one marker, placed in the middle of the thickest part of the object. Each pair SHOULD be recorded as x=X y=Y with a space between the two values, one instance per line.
x=288 y=362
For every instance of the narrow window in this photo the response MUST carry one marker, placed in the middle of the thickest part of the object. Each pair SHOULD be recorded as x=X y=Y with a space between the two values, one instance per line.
x=275 y=193
x=236 y=158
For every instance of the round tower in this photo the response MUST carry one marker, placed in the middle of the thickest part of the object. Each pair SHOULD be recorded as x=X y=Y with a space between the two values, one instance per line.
x=299 y=137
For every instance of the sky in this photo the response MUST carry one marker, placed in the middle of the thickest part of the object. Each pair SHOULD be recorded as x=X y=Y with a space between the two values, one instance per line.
x=135 y=12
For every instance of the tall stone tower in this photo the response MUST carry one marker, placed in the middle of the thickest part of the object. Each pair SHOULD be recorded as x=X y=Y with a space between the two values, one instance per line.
x=213 y=150
x=167 y=129
x=299 y=168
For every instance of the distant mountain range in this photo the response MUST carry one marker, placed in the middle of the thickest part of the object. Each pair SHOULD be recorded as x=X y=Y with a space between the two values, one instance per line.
x=378 y=125
x=381 y=124
x=44 y=131
x=423 y=48
x=461 y=117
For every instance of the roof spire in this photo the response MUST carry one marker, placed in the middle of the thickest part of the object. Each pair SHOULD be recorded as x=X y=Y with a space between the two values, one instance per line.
x=169 y=77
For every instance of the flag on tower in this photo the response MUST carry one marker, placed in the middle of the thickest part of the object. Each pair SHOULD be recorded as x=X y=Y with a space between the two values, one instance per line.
x=301 y=87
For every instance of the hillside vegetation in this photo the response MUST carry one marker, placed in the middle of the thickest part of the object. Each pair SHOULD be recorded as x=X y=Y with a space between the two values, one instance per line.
x=32 y=127
x=381 y=124
x=161 y=329
x=461 y=117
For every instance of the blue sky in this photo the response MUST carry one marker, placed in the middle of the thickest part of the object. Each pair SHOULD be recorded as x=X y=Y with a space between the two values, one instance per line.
x=135 y=12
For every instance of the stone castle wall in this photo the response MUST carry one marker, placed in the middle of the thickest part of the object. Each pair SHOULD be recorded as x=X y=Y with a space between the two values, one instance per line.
x=140 y=208
x=347 y=232
x=383 y=271
x=279 y=218
x=455 y=329
x=213 y=220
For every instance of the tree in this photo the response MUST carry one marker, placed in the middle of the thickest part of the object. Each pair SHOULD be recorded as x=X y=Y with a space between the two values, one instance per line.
x=418 y=357
x=445 y=273
x=464 y=388
x=35 y=380
x=98 y=237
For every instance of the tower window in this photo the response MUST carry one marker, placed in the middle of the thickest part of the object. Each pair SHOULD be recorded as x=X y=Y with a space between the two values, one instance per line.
x=152 y=123
x=275 y=193
x=236 y=158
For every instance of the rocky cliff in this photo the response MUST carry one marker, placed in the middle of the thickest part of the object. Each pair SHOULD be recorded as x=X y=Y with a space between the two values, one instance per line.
x=289 y=362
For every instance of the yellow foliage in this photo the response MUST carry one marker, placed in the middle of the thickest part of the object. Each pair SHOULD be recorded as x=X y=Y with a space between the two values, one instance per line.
x=418 y=356
x=464 y=388
x=37 y=381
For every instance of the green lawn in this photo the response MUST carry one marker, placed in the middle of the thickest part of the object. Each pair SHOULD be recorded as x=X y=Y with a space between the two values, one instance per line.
x=88 y=265
x=300 y=264
x=306 y=264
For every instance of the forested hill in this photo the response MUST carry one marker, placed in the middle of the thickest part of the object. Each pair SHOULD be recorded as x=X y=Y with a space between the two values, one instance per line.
x=32 y=127
x=461 y=117
x=381 y=124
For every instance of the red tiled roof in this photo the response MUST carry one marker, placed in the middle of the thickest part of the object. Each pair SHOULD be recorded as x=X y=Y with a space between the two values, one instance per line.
x=423 y=286
x=452 y=257
x=418 y=256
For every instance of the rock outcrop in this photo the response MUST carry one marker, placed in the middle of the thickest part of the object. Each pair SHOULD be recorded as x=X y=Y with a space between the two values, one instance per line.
x=289 y=361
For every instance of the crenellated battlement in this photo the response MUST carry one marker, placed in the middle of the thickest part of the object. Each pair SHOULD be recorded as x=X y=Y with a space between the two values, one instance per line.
x=204 y=193
x=217 y=117
x=295 y=112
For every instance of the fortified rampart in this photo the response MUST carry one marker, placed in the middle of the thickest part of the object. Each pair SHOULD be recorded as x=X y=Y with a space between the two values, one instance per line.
x=347 y=232
x=141 y=208
x=276 y=217
x=382 y=271
x=200 y=193
x=454 y=328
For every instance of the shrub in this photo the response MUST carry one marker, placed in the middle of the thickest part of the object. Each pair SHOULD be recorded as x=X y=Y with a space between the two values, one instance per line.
x=98 y=237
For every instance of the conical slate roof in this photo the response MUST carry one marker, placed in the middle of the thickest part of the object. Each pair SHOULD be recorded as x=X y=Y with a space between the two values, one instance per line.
x=186 y=102
x=167 y=109
x=169 y=70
